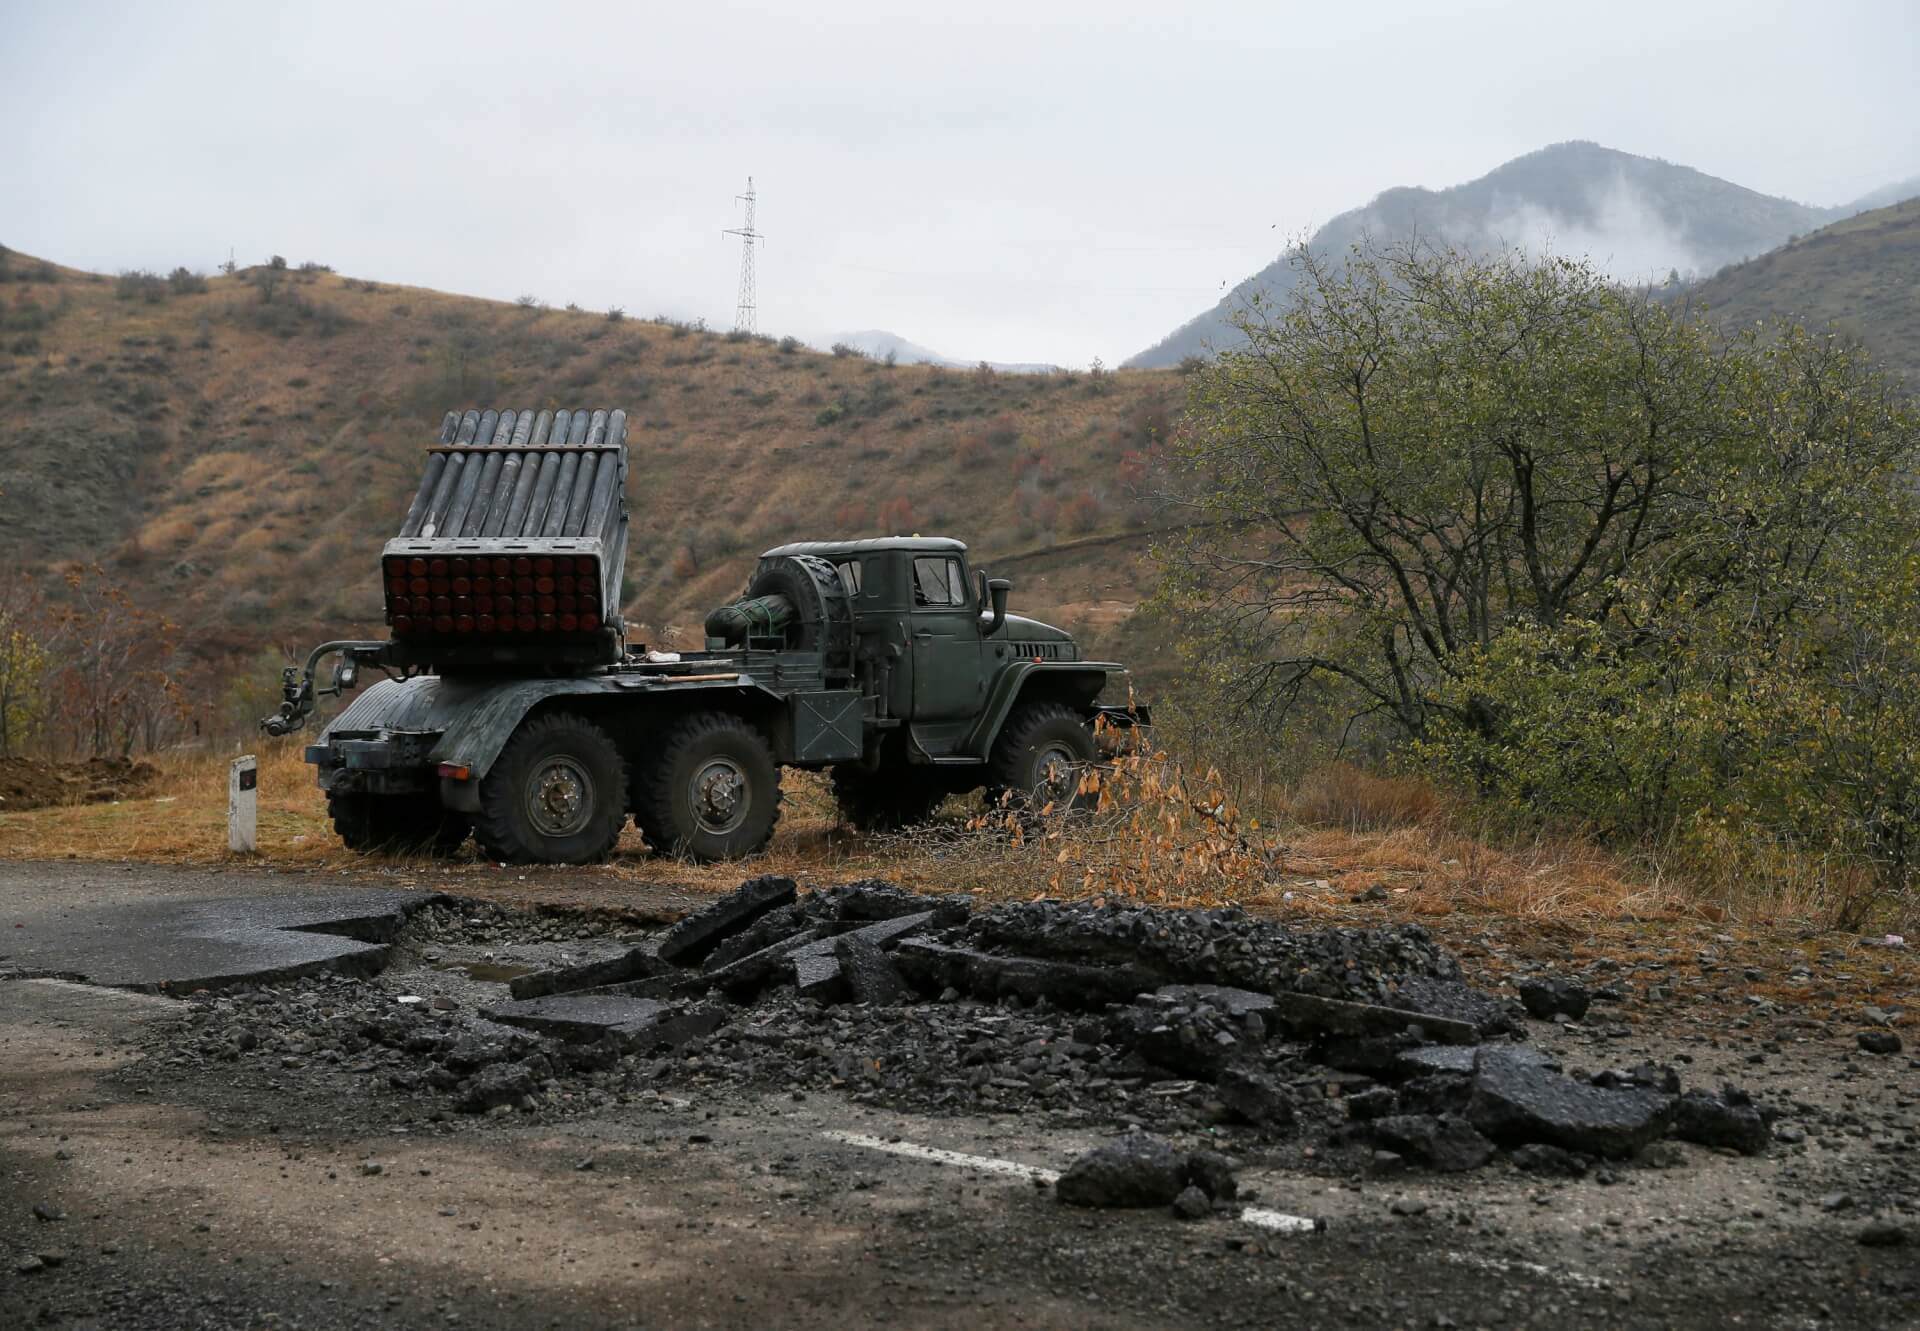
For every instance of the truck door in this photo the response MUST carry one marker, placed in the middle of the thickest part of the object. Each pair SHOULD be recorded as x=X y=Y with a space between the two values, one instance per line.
x=947 y=681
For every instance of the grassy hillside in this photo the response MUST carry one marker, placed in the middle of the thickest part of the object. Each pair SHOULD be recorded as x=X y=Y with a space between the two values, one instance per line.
x=1628 y=211
x=1861 y=276
x=236 y=449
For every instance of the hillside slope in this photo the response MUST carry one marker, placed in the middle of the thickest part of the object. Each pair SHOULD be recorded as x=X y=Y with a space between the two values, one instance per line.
x=236 y=451
x=1636 y=216
x=1861 y=276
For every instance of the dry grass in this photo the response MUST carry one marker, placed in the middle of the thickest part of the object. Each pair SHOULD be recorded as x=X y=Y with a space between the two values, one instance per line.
x=1164 y=836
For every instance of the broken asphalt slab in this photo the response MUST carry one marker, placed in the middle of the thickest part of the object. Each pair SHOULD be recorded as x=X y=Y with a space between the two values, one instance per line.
x=629 y=1023
x=214 y=942
x=689 y=941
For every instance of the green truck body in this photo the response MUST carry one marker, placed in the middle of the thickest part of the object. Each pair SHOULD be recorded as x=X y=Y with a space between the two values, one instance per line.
x=891 y=663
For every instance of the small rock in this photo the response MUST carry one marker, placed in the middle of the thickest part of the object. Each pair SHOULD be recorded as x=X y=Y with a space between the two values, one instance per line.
x=27 y=1265
x=1551 y=1161
x=371 y=1167
x=51 y=1257
x=1192 y=1203
x=1408 y=1206
x=1881 y=1234
x=1878 y=1042
x=47 y=1213
x=1710 y=1120
x=1136 y=1170
x=1790 y=1133
x=1212 y=1173
x=1551 y=996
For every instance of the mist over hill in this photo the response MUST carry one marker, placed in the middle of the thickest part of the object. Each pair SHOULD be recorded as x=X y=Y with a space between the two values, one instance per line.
x=1639 y=218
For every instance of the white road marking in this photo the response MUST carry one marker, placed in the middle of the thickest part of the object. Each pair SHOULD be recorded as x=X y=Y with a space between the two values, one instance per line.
x=1279 y=1221
x=934 y=1155
x=1503 y=1267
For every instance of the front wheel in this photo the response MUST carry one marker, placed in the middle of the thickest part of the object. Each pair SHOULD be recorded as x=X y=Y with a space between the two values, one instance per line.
x=1039 y=759
x=556 y=795
x=711 y=790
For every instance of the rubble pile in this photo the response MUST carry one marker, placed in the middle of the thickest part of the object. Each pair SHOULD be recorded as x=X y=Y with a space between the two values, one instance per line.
x=1363 y=1042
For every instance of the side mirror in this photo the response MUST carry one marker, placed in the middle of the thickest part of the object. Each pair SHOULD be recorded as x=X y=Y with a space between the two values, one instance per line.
x=994 y=590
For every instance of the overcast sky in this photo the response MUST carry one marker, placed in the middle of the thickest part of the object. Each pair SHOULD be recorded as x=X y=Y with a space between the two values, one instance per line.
x=1024 y=182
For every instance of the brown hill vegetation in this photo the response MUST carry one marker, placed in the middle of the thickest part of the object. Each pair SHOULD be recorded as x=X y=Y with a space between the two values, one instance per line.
x=1861 y=276
x=232 y=450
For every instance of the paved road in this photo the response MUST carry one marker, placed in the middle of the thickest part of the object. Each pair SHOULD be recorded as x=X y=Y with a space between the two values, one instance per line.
x=242 y=1197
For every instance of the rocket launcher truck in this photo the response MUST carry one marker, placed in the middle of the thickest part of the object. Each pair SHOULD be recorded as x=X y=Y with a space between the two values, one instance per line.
x=513 y=708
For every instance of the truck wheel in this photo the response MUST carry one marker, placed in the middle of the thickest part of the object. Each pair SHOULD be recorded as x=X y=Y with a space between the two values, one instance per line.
x=401 y=824
x=557 y=795
x=712 y=790
x=1040 y=756
x=885 y=800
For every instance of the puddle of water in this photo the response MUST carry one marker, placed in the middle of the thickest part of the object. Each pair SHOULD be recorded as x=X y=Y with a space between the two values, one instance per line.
x=492 y=971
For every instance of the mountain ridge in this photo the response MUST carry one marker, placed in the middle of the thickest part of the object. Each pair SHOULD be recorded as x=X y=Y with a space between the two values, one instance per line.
x=1640 y=217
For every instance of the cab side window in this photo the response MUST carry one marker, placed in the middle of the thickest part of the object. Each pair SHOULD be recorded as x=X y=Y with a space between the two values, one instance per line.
x=937 y=581
x=849 y=572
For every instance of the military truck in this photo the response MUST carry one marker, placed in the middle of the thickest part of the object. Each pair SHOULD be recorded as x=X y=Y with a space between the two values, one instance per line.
x=514 y=708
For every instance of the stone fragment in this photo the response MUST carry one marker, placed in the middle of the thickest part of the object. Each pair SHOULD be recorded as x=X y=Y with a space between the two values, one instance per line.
x=1313 y=1015
x=1258 y=1099
x=1135 y=1170
x=1517 y=1100
x=639 y=963
x=1237 y=1004
x=1448 y=1145
x=692 y=938
x=627 y=1023
x=935 y=966
x=870 y=975
x=1878 y=1042
x=1374 y=1102
x=498 y=1084
x=1437 y=1058
x=1718 y=1120
x=745 y=978
x=763 y=932
x=1192 y=1204
x=1213 y=1174
x=817 y=969
x=1881 y=1234
x=1454 y=1000
x=1550 y=1161
x=817 y=975
x=1547 y=997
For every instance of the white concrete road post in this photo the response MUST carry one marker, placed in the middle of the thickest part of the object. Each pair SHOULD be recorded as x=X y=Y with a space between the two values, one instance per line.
x=243 y=805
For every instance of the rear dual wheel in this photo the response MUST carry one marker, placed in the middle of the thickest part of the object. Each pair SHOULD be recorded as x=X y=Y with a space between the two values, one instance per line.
x=710 y=790
x=556 y=795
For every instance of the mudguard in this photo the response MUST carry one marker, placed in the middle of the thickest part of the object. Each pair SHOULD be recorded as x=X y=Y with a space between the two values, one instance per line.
x=1013 y=681
x=472 y=719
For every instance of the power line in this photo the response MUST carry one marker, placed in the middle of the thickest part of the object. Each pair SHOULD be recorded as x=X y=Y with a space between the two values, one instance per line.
x=746 y=313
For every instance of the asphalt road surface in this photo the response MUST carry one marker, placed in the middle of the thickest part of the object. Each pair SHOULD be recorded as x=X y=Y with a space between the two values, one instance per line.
x=142 y=1190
